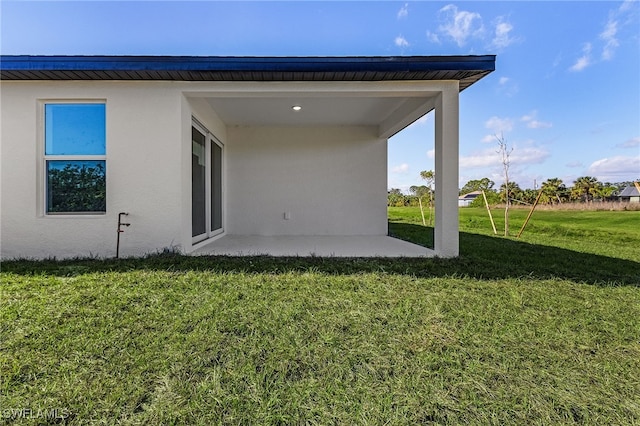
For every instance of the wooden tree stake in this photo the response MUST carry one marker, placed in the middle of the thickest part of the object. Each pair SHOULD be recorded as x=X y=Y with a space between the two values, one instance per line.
x=530 y=213
x=486 y=203
x=422 y=211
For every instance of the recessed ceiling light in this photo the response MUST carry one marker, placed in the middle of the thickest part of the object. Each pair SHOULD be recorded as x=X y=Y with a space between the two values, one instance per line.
x=296 y=107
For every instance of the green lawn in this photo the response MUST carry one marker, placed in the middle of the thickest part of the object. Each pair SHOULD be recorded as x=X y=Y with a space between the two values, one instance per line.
x=609 y=233
x=542 y=330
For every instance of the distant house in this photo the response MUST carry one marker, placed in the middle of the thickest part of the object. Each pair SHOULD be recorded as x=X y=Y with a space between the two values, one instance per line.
x=229 y=155
x=630 y=195
x=467 y=199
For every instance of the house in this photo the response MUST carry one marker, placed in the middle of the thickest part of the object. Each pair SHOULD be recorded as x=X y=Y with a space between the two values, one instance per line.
x=466 y=199
x=631 y=194
x=221 y=155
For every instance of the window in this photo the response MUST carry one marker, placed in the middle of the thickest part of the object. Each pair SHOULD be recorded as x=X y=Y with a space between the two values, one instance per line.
x=74 y=157
x=206 y=184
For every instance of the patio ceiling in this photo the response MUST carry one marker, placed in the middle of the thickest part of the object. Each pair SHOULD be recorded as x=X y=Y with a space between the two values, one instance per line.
x=337 y=110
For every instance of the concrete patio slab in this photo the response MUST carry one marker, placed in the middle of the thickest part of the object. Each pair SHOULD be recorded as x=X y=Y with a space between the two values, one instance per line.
x=322 y=246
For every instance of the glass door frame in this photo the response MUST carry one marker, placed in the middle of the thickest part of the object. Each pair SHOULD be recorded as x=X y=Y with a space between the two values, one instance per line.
x=210 y=139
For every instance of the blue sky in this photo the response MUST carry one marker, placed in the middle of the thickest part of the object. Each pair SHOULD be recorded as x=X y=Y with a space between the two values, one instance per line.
x=565 y=94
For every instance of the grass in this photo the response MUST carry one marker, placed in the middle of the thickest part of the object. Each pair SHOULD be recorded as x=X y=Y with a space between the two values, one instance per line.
x=549 y=335
x=615 y=234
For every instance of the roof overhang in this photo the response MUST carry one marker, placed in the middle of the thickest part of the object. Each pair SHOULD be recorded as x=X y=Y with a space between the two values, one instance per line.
x=332 y=90
x=466 y=69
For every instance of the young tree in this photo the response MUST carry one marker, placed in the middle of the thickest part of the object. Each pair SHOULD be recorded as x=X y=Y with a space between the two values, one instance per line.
x=430 y=177
x=419 y=192
x=505 y=153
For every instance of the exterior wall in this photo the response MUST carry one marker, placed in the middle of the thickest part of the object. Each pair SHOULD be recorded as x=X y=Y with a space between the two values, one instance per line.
x=143 y=125
x=330 y=181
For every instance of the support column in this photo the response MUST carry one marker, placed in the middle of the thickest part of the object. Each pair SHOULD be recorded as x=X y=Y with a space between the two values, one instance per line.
x=446 y=235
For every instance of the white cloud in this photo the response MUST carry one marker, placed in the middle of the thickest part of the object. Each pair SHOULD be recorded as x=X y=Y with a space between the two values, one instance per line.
x=507 y=86
x=502 y=36
x=401 y=41
x=529 y=155
x=491 y=158
x=631 y=143
x=433 y=37
x=463 y=26
x=431 y=154
x=420 y=121
x=608 y=35
x=460 y=24
x=626 y=5
x=499 y=125
x=534 y=123
x=615 y=169
x=402 y=168
x=485 y=158
x=404 y=11
x=583 y=61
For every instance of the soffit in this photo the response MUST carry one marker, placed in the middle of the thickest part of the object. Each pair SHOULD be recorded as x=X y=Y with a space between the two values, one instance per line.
x=465 y=69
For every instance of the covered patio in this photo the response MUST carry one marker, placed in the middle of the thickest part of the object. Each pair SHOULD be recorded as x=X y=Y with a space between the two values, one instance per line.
x=316 y=245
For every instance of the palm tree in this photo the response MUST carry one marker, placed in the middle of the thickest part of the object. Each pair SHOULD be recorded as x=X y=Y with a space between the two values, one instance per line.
x=553 y=189
x=514 y=192
x=585 y=186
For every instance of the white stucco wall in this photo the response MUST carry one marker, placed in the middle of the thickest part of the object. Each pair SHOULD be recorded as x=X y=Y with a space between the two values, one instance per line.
x=143 y=127
x=330 y=181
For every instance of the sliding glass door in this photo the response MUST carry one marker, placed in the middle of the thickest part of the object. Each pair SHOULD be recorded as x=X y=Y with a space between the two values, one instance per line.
x=206 y=184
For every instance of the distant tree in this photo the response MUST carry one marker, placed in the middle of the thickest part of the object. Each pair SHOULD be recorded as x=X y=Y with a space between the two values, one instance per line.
x=493 y=198
x=585 y=188
x=514 y=190
x=483 y=184
x=607 y=191
x=395 y=198
x=553 y=191
x=528 y=196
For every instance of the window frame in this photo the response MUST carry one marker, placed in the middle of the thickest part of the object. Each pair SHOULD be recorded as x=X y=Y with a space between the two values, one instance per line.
x=45 y=158
x=210 y=139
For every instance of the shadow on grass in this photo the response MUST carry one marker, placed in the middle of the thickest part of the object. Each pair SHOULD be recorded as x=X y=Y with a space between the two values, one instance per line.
x=481 y=257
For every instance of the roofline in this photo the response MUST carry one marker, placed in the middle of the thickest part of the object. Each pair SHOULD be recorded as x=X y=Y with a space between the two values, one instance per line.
x=247 y=68
x=248 y=63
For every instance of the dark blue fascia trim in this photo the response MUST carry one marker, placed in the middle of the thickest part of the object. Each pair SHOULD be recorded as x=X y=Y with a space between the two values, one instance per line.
x=255 y=64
